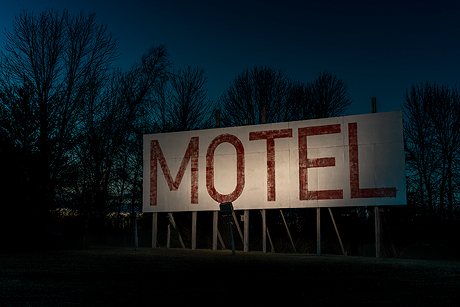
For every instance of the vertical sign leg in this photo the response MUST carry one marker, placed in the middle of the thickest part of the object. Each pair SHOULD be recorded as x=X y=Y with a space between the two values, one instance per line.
x=270 y=240
x=173 y=223
x=194 y=215
x=214 y=230
x=230 y=233
x=168 y=236
x=154 y=229
x=376 y=209
x=377 y=231
x=318 y=231
x=287 y=229
x=337 y=232
x=221 y=240
x=238 y=226
x=264 y=230
x=246 y=230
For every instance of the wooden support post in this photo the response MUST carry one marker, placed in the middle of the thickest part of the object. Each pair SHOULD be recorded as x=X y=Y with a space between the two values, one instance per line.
x=155 y=214
x=287 y=229
x=265 y=233
x=337 y=232
x=395 y=253
x=246 y=231
x=376 y=208
x=264 y=220
x=270 y=240
x=221 y=240
x=215 y=214
x=264 y=230
x=377 y=231
x=168 y=236
x=173 y=223
x=154 y=229
x=230 y=234
x=238 y=226
x=194 y=216
x=214 y=229
x=318 y=231
x=374 y=105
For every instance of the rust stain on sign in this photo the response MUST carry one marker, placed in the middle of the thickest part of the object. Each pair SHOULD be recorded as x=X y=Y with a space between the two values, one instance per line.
x=233 y=140
x=305 y=163
x=270 y=136
x=356 y=192
x=314 y=163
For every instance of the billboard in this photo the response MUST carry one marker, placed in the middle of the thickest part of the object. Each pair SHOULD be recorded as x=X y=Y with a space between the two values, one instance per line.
x=332 y=162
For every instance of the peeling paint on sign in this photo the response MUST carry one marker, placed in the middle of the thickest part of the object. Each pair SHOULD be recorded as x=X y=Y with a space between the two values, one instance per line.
x=218 y=197
x=343 y=161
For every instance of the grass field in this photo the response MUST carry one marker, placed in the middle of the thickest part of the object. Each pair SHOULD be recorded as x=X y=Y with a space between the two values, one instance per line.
x=155 y=277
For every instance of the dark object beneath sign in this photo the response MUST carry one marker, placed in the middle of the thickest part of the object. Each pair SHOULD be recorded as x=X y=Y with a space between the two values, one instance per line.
x=226 y=208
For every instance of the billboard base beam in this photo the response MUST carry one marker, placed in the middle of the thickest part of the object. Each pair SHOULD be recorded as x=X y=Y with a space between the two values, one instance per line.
x=215 y=232
x=395 y=253
x=287 y=229
x=154 y=229
x=173 y=223
x=221 y=240
x=270 y=240
x=214 y=229
x=194 y=217
x=318 y=231
x=246 y=231
x=264 y=230
x=265 y=233
x=337 y=232
x=237 y=226
x=377 y=231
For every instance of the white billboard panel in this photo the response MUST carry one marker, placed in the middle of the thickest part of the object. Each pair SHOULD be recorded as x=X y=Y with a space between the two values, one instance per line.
x=332 y=162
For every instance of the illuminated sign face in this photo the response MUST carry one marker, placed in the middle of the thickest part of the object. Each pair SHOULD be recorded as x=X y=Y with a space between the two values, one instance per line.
x=332 y=162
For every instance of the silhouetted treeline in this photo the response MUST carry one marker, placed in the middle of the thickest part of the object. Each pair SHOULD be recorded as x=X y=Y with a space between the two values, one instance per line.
x=432 y=138
x=71 y=126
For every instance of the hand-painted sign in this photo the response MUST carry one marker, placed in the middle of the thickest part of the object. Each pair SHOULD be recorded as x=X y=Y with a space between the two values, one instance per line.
x=332 y=162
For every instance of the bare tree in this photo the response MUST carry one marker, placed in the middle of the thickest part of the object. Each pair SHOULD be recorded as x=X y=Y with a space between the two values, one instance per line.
x=445 y=118
x=432 y=139
x=18 y=151
x=18 y=120
x=254 y=88
x=300 y=104
x=58 y=56
x=59 y=59
x=181 y=104
x=110 y=123
x=421 y=157
x=329 y=95
x=283 y=98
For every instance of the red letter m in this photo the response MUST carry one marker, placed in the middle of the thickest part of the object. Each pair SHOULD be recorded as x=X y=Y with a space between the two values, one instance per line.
x=156 y=155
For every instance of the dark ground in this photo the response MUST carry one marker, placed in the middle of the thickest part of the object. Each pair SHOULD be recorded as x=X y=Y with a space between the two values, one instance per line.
x=122 y=276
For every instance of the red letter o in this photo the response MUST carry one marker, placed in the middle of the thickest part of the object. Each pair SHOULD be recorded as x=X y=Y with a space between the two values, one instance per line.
x=225 y=138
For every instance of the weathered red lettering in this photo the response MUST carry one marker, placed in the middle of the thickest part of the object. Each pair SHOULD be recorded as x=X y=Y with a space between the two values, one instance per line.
x=305 y=163
x=156 y=156
x=218 y=197
x=355 y=191
x=270 y=136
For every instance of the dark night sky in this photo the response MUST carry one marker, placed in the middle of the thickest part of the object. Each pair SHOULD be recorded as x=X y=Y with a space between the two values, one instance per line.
x=379 y=48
